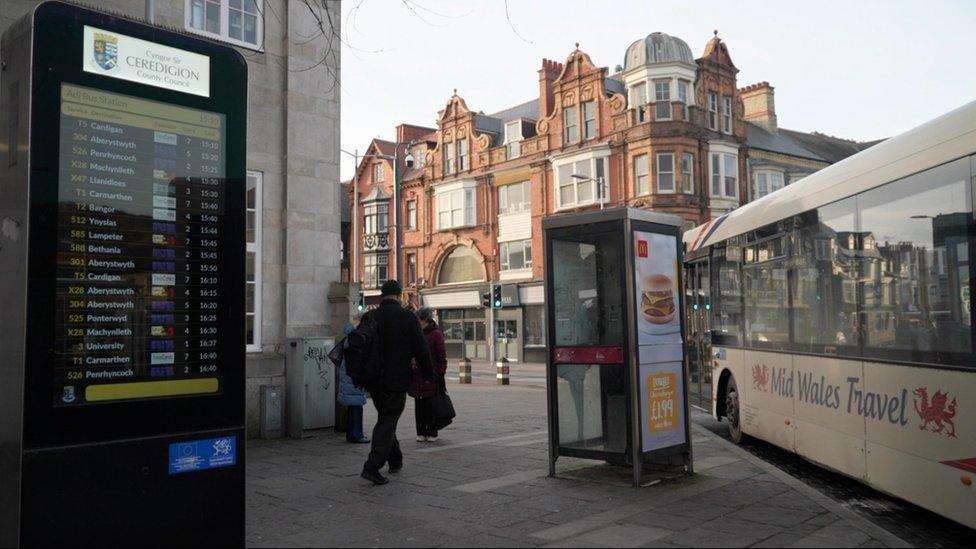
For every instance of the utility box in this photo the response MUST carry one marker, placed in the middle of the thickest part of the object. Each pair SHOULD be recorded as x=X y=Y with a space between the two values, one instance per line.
x=311 y=386
x=271 y=412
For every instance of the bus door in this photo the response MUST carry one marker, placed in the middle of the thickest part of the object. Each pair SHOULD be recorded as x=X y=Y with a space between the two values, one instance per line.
x=698 y=312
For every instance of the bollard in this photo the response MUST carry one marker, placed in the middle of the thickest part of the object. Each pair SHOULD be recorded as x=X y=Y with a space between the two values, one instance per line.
x=464 y=370
x=501 y=372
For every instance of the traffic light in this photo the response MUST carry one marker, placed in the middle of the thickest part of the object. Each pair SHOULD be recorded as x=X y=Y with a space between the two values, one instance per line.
x=362 y=302
x=496 y=296
x=486 y=300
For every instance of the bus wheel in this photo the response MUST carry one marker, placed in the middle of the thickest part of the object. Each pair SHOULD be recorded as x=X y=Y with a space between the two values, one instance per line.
x=732 y=411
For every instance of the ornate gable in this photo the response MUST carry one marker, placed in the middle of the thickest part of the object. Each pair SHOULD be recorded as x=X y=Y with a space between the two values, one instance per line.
x=456 y=121
x=579 y=81
x=455 y=110
x=718 y=53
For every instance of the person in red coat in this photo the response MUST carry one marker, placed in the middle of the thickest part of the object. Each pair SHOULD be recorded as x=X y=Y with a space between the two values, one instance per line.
x=424 y=391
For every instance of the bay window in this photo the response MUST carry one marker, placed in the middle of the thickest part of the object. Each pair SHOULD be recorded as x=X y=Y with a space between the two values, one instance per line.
x=730 y=173
x=455 y=206
x=587 y=187
x=665 y=173
x=514 y=198
x=725 y=175
x=683 y=96
x=662 y=100
x=376 y=218
x=638 y=98
x=515 y=255
x=641 y=186
x=688 y=173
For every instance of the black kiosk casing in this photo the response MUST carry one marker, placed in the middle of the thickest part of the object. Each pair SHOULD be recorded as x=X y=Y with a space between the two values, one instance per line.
x=147 y=447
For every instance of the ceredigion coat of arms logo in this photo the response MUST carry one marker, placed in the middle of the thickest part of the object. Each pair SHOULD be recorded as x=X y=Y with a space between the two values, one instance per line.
x=106 y=50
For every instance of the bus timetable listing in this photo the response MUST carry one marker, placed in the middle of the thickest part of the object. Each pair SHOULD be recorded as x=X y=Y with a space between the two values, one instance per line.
x=141 y=201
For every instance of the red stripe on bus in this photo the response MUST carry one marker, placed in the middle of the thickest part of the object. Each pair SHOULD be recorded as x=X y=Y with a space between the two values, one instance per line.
x=964 y=464
x=694 y=246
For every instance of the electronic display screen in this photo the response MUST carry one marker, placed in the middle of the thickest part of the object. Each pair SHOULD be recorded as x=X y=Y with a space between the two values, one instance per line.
x=141 y=192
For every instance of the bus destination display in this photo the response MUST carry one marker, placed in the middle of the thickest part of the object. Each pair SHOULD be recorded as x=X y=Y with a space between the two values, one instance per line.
x=141 y=199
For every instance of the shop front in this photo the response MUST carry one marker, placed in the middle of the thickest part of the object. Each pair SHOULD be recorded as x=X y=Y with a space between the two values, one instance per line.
x=519 y=325
x=462 y=318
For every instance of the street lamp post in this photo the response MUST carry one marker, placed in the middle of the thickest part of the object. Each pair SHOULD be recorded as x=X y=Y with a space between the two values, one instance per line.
x=396 y=205
x=599 y=185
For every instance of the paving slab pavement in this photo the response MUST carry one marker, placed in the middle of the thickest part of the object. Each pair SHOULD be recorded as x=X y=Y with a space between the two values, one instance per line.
x=484 y=484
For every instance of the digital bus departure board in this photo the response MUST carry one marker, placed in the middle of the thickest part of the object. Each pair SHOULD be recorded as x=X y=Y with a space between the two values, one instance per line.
x=123 y=155
x=141 y=195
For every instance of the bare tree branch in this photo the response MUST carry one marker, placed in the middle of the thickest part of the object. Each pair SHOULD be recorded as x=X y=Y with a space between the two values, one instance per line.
x=512 y=26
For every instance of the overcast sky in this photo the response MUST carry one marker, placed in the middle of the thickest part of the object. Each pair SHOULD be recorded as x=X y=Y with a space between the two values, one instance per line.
x=854 y=68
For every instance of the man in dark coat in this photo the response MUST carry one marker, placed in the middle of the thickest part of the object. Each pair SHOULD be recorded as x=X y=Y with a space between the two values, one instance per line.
x=400 y=341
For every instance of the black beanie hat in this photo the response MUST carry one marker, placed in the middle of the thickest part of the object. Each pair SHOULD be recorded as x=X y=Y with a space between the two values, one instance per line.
x=391 y=287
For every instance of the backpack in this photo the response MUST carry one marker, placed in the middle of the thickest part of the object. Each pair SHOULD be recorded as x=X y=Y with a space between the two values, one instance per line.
x=363 y=363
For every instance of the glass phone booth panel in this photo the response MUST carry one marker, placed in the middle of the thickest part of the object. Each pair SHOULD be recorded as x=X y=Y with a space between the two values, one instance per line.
x=592 y=387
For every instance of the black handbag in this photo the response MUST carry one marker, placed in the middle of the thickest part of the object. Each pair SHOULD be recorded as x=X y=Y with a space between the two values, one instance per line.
x=337 y=353
x=444 y=412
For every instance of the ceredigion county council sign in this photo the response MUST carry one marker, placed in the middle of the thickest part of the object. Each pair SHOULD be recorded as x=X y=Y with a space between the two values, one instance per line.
x=127 y=58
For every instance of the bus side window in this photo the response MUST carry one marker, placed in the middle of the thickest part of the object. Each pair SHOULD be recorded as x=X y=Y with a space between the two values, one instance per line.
x=916 y=272
x=726 y=294
x=825 y=263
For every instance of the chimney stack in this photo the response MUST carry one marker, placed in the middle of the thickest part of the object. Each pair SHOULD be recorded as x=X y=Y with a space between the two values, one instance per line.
x=547 y=75
x=405 y=133
x=759 y=105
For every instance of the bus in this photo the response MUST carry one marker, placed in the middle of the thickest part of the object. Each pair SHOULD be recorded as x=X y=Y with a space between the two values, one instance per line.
x=833 y=317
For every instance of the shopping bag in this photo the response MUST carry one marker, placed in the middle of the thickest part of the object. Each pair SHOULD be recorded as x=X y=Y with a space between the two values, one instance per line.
x=337 y=352
x=444 y=412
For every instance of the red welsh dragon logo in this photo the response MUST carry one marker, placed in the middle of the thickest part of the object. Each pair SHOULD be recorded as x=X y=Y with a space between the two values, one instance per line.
x=760 y=377
x=936 y=412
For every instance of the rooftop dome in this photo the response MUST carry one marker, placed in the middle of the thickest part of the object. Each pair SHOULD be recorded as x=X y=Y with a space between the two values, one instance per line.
x=656 y=49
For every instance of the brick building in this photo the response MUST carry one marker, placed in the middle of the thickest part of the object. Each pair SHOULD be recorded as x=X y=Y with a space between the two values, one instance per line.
x=666 y=131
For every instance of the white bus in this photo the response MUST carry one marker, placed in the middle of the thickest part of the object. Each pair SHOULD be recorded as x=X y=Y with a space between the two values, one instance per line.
x=833 y=318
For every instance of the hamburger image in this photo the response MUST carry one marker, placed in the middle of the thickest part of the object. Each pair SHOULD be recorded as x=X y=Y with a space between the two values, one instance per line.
x=657 y=299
